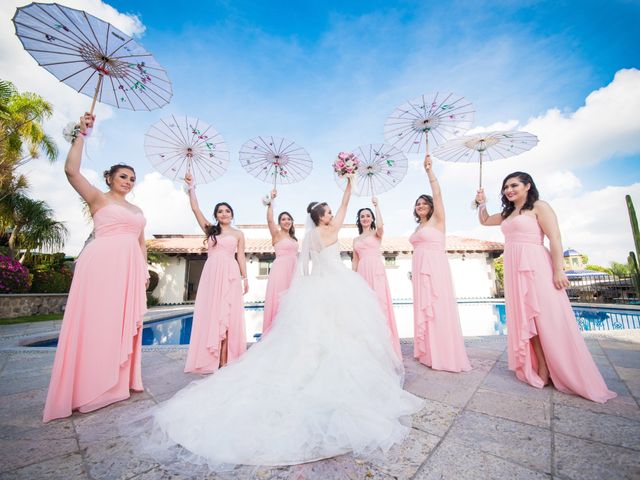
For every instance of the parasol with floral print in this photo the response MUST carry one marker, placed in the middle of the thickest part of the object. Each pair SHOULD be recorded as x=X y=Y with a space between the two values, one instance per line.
x=433 y=117
x=275 y=160
x=177 y=145
x=380 y=168
x=485 y=146
x=92 y=56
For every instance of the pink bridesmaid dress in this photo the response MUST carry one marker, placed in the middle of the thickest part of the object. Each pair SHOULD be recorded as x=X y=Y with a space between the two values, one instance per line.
x=535 y=307
x=219 y=309
x=438 y=341
x=370 y=266
x=97 y=360
x=280 y=278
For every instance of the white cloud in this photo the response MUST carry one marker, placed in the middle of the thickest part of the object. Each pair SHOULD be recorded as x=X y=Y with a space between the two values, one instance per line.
x=48 y=182
x=166 y=207
x=607 y=125
x=561 y=183
x=494 y=127
x=597 y=223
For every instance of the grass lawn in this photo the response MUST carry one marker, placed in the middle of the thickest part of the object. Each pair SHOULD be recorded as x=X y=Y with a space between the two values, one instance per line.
x=31 y=318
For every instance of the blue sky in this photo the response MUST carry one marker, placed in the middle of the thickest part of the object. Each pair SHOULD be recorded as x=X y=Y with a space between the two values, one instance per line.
x=328 y=73
x=514 y=60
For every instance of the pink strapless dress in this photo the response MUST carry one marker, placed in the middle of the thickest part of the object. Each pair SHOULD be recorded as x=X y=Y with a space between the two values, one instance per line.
x=219 y=309
x=535 y=307
x=370 y=266
x=438 y=341
x=97 y=359
x=280 y=277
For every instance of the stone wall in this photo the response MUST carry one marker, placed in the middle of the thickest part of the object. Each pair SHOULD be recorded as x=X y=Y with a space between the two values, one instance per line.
x=23 y=304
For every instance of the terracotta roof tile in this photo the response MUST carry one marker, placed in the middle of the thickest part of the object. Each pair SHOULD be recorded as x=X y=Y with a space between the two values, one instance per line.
x=193 y=244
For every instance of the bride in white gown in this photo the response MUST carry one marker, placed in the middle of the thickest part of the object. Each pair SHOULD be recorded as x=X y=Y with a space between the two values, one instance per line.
x=323 y=382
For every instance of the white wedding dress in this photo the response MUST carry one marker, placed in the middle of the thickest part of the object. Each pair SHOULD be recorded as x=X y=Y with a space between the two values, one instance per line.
x=324 y=381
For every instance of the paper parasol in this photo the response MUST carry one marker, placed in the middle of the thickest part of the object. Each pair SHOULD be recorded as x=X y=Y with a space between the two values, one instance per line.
x=485 y=146
x=275 y=160
x=92 y=57
x=433 y=117
x=177 y=145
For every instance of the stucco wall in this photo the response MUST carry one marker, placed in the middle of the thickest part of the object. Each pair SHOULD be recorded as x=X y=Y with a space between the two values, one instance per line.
x=171 y=284
x=473 y=277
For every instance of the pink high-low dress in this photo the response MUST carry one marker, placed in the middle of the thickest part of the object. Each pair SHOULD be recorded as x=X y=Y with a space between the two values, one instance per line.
x=219 y=309
x=280 y=278
x=438 y=341
x=97 y=359
x=370 y=266
x=535 y=307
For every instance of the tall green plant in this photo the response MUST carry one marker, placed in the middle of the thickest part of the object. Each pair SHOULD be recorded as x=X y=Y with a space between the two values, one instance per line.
x=22 y=135
x=31 y=224
x=633 y=256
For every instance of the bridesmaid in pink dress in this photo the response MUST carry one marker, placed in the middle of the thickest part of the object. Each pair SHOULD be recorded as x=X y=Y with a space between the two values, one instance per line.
x=367 y=261
x=217 y=332
x=438 y=341
x=97 y=360
x=285 y=243
x=544 y=341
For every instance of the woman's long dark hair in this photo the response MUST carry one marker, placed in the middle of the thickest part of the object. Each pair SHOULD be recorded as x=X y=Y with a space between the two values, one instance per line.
x=429 y=200
x=532 y=195
x=359 y=225
x=213 y=230
x=292 y=230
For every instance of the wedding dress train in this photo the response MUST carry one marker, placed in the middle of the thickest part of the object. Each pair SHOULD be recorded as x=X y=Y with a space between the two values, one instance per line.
x=325 y=381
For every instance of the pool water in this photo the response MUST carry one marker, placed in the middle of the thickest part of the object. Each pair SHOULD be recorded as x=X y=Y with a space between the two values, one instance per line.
x=476 y=319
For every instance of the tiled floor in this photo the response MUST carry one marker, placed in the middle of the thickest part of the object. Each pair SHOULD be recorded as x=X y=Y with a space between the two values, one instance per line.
x=475 y=425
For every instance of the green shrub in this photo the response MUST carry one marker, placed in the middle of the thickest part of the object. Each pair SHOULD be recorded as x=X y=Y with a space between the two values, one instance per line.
x=151 y=300
x=498 y=265
x=51 y=281
x=44 y=261
x=154 y=278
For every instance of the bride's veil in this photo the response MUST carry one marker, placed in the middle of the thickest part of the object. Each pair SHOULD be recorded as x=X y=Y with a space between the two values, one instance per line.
x=304 y=258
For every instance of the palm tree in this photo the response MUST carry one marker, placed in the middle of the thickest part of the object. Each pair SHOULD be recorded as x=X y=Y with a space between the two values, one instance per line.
x=30 y=225
x=22 y=136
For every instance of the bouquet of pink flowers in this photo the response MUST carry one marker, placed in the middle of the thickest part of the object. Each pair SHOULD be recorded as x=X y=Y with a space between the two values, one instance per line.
x=346 y=164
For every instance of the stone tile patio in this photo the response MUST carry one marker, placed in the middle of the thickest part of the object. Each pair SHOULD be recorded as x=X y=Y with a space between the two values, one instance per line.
x=475 y=425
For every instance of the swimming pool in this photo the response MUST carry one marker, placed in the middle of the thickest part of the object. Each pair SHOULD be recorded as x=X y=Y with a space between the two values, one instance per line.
x=476 y=319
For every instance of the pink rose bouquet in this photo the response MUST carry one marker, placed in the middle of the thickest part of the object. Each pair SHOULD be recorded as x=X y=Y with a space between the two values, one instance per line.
x=346 y=164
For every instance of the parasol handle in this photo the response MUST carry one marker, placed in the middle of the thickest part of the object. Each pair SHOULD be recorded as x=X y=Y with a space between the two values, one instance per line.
x=480 y=169
x=95 y=95
x=426 y=141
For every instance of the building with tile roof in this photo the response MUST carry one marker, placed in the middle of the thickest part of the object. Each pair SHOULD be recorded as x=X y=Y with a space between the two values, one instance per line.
x=471 y=263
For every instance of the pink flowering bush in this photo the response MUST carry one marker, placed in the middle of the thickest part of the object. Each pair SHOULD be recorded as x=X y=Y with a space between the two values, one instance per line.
x=14 y=277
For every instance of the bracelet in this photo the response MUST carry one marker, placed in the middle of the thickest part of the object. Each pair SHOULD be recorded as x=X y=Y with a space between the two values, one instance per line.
x=243 y=278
